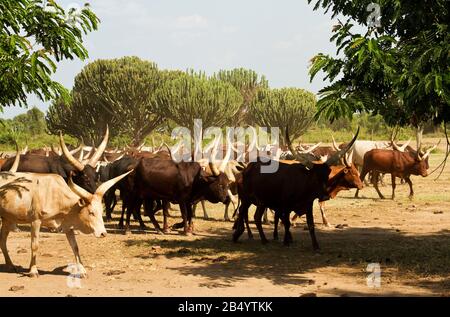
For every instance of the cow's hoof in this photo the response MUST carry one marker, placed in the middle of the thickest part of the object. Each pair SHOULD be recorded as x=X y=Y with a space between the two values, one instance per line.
x=127 y=232
x=166 y=230
x=17 y=229
x=187 y=234
x=33 y=274
x=120 y=226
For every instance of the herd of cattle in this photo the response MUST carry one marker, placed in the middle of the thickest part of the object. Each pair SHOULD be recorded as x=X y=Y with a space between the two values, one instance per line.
x=65 y=189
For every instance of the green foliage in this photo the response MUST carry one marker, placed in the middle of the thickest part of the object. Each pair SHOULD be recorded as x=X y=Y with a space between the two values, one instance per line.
x=248 y=83
x=31 y=40
x=287 y=107
x=399 y=69
x=194 y=96
x=118 y=92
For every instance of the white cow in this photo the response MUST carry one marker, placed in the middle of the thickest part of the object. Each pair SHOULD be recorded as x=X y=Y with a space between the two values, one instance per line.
x=46 y=200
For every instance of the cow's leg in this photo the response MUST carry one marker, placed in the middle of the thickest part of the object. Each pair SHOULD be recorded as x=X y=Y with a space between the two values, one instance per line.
x=194 y=209
x=7 y=227
x=190 y=229
x=287 y=224
x=411 y=191
x=393 y=186
x=375 y=183
x=183 y=210
x=238 y=226
x=110 y=202
x=150 y=211
x=310 y=221
x=362 y=177
x=322 y=211
x=265 y=217
x=258 y=217
x=205 y=213
x=226 y=217
x=35 y=228
x=247 y=226
x=165 y=206
x=137 y=214
x=79 y=268
x=124 y=207
x=276 y=220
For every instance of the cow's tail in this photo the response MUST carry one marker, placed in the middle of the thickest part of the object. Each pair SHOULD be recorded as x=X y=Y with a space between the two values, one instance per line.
x=237 y=208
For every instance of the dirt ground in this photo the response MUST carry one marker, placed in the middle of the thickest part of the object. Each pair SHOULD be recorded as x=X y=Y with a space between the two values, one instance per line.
x=410 y=240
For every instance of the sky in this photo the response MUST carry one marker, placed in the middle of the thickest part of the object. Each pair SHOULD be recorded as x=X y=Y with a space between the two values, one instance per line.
x=275 y=38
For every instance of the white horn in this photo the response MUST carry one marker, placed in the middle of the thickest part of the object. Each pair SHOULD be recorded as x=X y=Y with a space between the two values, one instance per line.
x=80 y=191
x=101 y=148
x=103 y=188
x=68 y=155
x=15 y=165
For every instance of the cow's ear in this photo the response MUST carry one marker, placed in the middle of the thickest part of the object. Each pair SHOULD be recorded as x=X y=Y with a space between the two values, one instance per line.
x=81 y=202
x=346 y=170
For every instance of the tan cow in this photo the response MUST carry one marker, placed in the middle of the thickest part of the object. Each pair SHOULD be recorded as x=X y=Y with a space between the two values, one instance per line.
x=46 y=200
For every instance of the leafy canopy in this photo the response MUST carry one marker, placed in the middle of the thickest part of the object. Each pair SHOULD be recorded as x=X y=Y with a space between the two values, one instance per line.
x=398 y=68
x=33 y=37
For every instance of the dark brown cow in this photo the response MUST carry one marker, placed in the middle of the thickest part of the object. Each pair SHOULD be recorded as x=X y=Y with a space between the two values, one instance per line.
x=398 y=164
x=181 y=183
x=290 y=188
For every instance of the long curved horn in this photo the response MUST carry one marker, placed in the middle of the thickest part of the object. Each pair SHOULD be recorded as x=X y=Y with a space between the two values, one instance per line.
x=103 y=188
x=312 y=148
x=428 y=152
x=80 y=158
x=73 y=152
x=15 y=165
x=68 y=155
x=403 y=147
x=304 y=159
x=56 y=151
x=25 y=150
x=335 y=146
x=101 y=148
x=118 y=158
x=80 y=191
x=335 y=158
x=346 y=160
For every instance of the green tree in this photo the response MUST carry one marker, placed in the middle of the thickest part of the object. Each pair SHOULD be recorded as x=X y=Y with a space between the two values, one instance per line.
x=398 y=68
x=118 y=92
x=32 y=39
x=248 y=83
x=194 y=96
x=288 y=107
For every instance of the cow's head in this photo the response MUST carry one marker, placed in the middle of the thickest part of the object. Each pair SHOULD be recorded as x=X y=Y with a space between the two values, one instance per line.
x=85 y=174
x=421 y=166
x=216 y=184
x=90 y=213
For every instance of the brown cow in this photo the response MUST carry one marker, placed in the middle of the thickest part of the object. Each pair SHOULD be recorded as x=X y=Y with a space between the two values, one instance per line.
x=398 y=164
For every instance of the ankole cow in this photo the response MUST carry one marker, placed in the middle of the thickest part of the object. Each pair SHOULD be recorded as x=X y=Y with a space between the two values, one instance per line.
x=46 y=200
